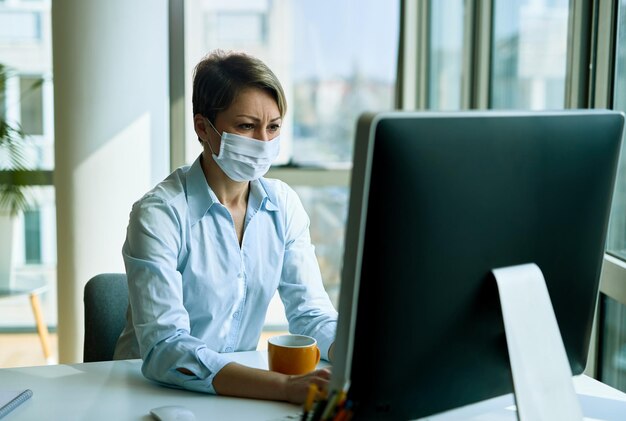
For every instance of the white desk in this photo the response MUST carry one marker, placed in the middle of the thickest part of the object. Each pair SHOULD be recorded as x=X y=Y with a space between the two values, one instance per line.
x=597 y=400
x=118 y=391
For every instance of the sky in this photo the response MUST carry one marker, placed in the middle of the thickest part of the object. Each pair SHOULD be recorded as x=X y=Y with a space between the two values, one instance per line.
x=332 y=36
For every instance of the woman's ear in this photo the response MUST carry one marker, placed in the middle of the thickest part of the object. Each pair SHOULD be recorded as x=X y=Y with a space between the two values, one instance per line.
x=201 y=127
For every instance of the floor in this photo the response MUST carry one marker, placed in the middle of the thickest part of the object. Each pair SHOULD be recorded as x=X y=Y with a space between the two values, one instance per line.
x=24 y=349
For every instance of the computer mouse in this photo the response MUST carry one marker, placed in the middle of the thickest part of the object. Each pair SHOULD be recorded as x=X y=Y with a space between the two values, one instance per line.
x=172 y=413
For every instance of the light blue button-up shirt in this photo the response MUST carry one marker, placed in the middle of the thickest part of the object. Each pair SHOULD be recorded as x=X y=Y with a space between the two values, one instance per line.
x=195 y=293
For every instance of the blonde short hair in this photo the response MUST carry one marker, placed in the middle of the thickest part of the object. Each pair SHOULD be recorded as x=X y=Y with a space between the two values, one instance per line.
x=220 y=76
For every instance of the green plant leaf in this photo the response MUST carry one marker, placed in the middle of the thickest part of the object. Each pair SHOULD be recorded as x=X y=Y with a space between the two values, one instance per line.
x=14 y=197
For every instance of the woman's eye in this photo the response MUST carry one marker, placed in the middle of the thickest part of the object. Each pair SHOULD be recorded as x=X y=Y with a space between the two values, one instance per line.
x=274 y=127
x=246 y=126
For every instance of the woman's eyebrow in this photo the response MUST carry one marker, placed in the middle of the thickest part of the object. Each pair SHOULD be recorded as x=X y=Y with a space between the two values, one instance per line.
x=256 y=118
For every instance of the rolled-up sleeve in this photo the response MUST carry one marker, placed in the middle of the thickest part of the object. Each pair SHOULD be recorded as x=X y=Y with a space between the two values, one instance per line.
x=153 y=244
x=307 y=305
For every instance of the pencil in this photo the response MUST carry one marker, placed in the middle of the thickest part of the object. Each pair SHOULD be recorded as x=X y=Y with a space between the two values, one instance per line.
x=309 y=400
x=319 y=407
x=330 y=407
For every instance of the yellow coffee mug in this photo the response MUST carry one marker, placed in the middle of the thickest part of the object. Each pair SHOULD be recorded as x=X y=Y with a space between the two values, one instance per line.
x=292 y=354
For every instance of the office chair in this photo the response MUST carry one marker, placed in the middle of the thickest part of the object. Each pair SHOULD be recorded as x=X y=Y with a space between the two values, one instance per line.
x=106 y=301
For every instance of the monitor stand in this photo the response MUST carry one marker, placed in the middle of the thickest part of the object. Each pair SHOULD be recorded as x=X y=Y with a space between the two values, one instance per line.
x=542 y=378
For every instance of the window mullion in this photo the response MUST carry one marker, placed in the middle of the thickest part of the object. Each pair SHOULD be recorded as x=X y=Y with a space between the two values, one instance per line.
x=579 y=70
x=478 y=27
x=606 y=33
x=412 y=80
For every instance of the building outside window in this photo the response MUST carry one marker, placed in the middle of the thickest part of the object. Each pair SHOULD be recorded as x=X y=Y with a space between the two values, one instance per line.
x=445 y=58
x=529 y=52
x=26 y=101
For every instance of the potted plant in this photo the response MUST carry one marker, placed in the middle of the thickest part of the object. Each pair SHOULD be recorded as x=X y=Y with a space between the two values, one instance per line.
x=16 y=182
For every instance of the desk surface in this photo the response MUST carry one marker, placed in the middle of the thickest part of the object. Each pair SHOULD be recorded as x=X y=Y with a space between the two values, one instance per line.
x=117 y=391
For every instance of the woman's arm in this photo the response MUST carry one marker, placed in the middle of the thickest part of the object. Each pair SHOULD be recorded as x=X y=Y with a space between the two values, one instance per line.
x=238 y=380
x=171 y=355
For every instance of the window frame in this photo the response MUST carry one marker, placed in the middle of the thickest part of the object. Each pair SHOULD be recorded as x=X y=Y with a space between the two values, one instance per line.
x=592 y=87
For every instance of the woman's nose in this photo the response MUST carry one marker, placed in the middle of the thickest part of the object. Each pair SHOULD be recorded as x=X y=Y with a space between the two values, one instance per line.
x=261 y=134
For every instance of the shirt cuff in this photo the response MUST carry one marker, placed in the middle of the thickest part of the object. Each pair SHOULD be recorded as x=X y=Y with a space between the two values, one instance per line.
x=325 y=338
x=213 y=363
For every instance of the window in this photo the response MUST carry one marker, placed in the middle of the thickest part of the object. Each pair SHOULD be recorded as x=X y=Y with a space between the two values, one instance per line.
x=613 y=356
x=31 y=105
x=341 y=68
x=617 y=228
x=613 y=332
x=243 y=29
x=529 y=54
x=32 y=236
x=446 y=55
x=20 y=26
x=26 y=100
x=330 y=62
x=333 y=66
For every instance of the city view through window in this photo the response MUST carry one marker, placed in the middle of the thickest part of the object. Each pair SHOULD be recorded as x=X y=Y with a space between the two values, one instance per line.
x=28 y=249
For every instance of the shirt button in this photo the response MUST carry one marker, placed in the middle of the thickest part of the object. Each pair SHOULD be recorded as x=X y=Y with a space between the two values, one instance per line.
x=240 y=276
x=229 y=349
x=236 y=315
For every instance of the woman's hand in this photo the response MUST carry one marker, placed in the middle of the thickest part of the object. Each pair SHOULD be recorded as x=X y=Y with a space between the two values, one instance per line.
x=297 y=387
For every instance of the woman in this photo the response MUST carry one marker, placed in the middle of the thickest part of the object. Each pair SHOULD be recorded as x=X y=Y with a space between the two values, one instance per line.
x=207 y=247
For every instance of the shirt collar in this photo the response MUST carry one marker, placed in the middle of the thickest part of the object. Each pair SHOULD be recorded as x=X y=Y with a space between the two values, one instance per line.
x=200 y=197
x=261 y=196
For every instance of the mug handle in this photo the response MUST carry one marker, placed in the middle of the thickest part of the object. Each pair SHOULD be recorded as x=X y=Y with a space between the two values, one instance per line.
x=317 y=359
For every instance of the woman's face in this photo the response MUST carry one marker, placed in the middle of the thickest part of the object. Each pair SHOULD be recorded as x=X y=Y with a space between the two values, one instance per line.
x=254 y=114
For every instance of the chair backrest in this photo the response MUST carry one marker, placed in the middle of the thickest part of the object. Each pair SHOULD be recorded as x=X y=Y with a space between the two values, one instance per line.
x=106 y=301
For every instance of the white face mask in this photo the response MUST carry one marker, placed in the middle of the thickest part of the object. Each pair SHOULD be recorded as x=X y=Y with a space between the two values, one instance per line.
x=243 y=158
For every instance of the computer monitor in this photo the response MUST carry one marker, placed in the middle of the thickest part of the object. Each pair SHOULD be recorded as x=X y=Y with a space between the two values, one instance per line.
x=437 y=201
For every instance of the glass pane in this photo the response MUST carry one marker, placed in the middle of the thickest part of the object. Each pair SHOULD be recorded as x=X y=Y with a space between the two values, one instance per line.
x=20 y=26
x=16 y=312
x=529 y=54
x=31 y=105
x=32 y=237
x=613 y=346
x=446 y=54
x=331 y=63
x=241 y=28
x=327 y=208
x=342 y=67
x=26 y=53
x=617 y=228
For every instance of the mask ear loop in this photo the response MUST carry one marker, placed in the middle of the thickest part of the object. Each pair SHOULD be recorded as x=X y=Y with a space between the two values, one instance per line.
x=208 y=142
